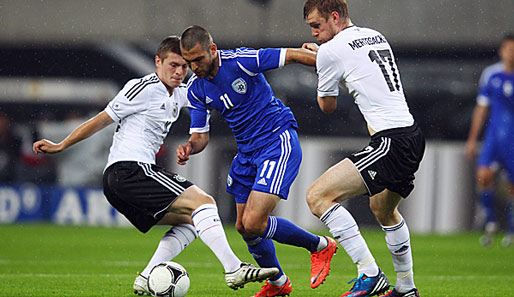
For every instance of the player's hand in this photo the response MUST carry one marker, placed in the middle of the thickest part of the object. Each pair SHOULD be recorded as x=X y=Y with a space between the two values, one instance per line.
x=183 y=152
x=311 y=46
x=46 y=147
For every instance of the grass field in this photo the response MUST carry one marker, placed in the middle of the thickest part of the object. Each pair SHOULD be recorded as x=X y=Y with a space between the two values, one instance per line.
x=45 y=260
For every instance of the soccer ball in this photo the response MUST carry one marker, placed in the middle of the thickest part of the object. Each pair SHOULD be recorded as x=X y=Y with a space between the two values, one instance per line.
x=168 y=279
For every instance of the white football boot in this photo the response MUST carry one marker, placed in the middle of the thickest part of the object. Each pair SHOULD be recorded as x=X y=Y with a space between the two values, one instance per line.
x=247 y=273
x=141 y=286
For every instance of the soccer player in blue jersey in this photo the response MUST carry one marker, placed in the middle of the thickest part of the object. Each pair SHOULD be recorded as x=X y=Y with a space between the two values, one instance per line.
x=269 y=153
x=496 y=98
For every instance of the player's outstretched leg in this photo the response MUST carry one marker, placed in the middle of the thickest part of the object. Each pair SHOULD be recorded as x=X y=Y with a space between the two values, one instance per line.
x=322 y=248
x=210 y=230
x=343 y=227
x=171 y=244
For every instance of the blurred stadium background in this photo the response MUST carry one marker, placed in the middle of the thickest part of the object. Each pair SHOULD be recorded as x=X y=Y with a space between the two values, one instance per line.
x=62 y=61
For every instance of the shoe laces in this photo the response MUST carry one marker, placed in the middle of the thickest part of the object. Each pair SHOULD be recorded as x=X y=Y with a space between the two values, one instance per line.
x=357 y=281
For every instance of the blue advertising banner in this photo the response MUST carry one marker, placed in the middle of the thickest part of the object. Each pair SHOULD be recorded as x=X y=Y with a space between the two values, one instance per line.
x=59 y=205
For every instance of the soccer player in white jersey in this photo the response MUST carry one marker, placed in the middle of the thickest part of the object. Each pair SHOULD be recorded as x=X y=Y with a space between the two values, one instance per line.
x=145 y=193
x=362 y=60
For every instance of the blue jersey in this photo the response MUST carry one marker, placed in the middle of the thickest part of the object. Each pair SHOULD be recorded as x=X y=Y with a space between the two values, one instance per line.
x=498 y=93
x=244 y=98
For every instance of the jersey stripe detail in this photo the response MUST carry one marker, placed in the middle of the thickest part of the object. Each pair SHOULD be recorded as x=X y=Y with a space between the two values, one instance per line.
x=382 y=150
x=139 y=83
x=164 y=180
x=285 y=138
x=137 y=91
x=246 y=70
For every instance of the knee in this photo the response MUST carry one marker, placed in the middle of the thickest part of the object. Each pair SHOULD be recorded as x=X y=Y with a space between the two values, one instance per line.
x=315 y=201
x=240 y=228
x=253 y=226
x=206 y=199
x=484 y=178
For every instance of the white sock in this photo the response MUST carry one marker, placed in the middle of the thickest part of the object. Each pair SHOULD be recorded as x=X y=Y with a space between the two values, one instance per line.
x=323 y=243
x=398 y=241
x=171 y=244
x=345 y=230
x=209 y=228
x=279 y=281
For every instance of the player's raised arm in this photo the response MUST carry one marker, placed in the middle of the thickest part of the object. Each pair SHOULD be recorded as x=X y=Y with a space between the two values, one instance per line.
x=300 y=55
x=196 y=143
x=83 y=131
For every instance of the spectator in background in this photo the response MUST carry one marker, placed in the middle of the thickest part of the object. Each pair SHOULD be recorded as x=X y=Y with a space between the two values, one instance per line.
x=10 y=145
x=495 y=101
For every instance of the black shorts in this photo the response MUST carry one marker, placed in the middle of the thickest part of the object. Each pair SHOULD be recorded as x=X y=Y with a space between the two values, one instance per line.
x=142 y=192
x=390 y=160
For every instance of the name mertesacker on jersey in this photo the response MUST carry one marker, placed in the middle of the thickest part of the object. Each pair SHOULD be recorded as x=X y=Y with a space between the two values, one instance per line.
x=358 y=43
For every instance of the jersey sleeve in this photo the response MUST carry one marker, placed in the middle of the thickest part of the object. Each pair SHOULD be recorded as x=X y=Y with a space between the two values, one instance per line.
x=198 y=112
x=121 y=106
x=258 y=61
x=483 y=89
x=329 y=74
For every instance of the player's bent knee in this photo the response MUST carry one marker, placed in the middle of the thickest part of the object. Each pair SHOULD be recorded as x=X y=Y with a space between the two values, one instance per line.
x=315 y=201
x=253 y=226
x=484 y=178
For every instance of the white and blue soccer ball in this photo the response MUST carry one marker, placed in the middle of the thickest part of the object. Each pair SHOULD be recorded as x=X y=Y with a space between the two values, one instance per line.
x=168 y=279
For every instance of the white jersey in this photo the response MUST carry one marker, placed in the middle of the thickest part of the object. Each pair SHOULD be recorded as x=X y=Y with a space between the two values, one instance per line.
x=145 y=112
x=362 y=60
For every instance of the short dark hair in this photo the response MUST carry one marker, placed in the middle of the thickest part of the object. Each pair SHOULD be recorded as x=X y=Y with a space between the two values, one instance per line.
x=167 y=45
x=326 y=7
x=508 y=37
x=194 y=35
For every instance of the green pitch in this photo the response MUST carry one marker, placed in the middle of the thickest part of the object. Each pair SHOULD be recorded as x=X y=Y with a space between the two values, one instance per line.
x=44 y=260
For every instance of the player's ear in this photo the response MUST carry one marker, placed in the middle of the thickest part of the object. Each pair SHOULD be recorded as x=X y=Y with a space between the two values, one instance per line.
x=213 y=48
x=157 y=61
x=335 y=17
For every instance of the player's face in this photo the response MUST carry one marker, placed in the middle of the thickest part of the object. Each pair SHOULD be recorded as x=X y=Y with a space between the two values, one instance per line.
x=202 y=61
x=507 y=53
x=172 y=70
x=321 y=28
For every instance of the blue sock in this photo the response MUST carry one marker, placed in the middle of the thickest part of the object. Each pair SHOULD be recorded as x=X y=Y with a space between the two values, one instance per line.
x=263 y=251
x=487 y=201
x=284 y=231
x=510 y=216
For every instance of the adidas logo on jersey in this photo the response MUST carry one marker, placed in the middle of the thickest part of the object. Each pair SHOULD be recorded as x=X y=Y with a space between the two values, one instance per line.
x=163 y=106
x=208 y=100
x=262 y=181
x=372 y=174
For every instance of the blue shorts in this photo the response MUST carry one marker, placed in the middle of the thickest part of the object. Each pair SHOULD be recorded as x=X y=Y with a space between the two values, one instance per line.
x=270 y=169
x=495 y=151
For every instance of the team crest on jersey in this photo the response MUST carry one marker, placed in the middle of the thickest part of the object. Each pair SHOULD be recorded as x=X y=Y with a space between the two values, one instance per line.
x=507 y=89
x=175 y=110
x=239 y=85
